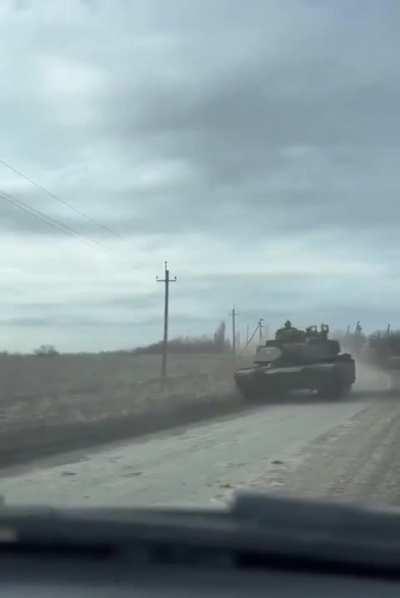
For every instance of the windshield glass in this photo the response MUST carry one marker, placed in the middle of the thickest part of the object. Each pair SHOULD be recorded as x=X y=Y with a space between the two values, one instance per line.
x=200 y=247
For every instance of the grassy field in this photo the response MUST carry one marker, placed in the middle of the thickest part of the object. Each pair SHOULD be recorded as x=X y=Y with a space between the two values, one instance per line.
x=59 y=403
x=55 y=404
x=29 y=376
x=98 y=386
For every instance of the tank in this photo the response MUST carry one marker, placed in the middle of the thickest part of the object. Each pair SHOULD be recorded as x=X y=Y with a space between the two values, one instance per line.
x=298 y=360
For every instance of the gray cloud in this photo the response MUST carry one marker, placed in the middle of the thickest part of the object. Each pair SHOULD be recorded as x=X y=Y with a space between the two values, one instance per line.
x=256 y=147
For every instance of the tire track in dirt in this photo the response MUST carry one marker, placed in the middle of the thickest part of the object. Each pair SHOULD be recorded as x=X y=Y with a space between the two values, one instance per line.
x=358 y=460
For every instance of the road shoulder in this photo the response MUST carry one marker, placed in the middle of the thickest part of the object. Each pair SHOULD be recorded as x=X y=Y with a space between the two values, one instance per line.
x=357 y=460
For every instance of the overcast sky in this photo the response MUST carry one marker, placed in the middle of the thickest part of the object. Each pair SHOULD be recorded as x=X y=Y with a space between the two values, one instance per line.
x=255 y=145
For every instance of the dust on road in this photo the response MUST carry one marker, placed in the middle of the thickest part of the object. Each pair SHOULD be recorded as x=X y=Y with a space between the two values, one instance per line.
x=344 y=450
x=356 y=461
x=199 y=465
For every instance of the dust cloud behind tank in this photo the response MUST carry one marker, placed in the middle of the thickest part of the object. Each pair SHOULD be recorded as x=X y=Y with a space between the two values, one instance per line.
x=392 y=366
x=298 y=360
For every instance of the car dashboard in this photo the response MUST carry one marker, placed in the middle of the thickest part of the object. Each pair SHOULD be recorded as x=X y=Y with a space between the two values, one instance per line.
x=262 y=546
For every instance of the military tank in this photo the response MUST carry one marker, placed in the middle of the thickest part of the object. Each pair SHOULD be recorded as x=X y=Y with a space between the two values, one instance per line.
x=298 y=360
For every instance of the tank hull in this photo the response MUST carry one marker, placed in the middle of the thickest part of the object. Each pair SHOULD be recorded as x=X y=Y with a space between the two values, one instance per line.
x=331 y=380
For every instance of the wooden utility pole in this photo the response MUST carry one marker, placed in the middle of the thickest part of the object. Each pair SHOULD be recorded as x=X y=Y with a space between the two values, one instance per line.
x=259 y=327
x=260 y=330
x=166 y=280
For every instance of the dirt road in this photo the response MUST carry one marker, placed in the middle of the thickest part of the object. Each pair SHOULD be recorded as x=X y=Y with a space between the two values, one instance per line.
x=347 y=449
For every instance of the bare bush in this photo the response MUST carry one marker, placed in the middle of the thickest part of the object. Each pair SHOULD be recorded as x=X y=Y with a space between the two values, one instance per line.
x=46 y=351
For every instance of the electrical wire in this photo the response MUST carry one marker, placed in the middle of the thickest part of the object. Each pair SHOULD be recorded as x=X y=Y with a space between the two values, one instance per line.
x=55 y=197
x=59 y=225
x=24 y=207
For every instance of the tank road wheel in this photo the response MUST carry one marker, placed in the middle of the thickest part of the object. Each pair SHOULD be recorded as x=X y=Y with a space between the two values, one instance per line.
x=247 y=392
x=333 y=389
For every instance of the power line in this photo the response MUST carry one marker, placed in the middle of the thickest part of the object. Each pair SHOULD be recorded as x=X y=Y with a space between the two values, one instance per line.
x=58 y=224
x=60 y=200
x=50 y=220
x=19 y=204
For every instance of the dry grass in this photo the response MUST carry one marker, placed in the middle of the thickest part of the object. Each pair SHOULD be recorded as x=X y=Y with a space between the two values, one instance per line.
x=96 y=387
x=27 y=377
x=51 y=404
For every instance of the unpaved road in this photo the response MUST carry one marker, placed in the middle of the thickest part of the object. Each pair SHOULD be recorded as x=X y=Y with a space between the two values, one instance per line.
x=347 y=449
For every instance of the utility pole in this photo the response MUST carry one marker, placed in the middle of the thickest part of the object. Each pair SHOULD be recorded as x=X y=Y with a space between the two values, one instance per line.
x=260 y=330
x=234 y=314
x=166 y=280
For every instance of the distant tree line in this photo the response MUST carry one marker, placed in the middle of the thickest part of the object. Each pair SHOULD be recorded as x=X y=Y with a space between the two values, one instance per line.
x=191 y=344
x=46 y=351
x=217 y=343
x=384 y=344
x=374 y=348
